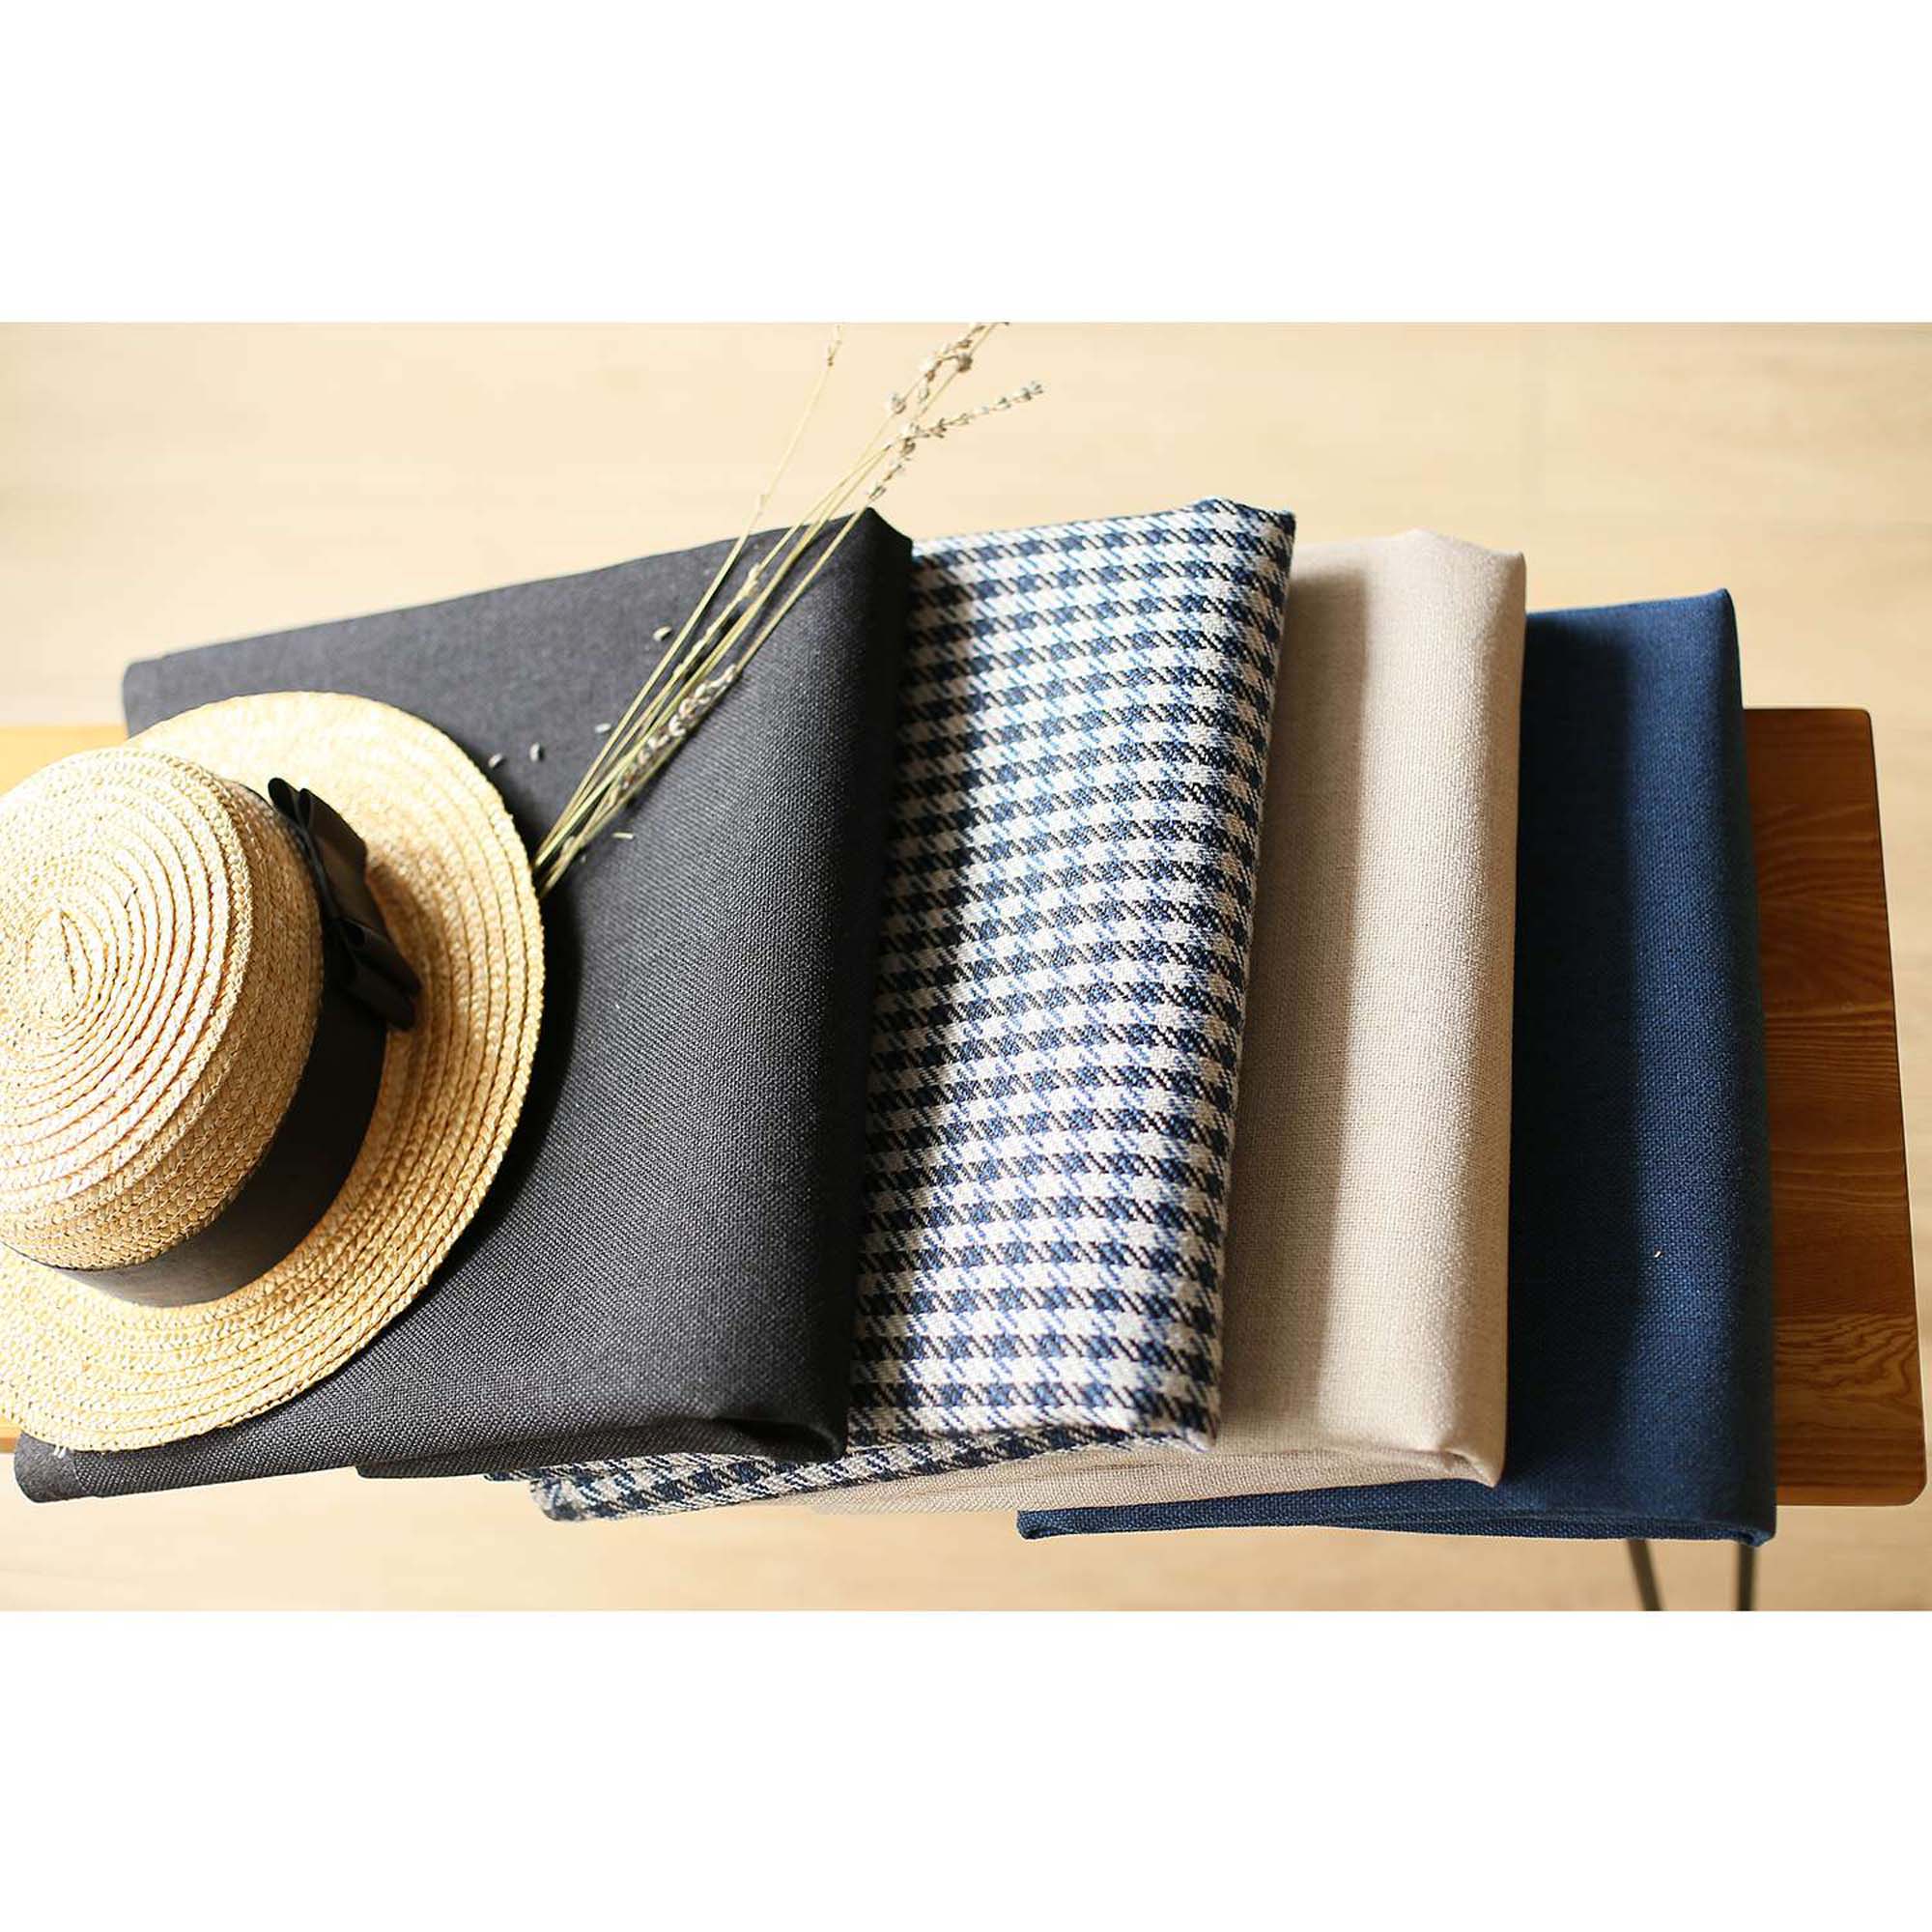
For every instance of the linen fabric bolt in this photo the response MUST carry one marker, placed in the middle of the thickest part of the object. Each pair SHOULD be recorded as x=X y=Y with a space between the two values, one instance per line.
x=1640 y=1286
x=1365 y=1297
x=1070 y=877
x=666 y=1257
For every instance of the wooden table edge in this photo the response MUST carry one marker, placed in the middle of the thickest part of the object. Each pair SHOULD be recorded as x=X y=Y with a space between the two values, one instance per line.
x=1850 y=1400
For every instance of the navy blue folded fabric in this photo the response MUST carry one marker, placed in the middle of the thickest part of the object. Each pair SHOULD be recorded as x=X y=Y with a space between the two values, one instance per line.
x=1640 y=1282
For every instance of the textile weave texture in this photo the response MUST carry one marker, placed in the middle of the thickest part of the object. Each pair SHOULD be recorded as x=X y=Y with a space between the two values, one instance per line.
x=1063 y=947
x=1365 y=1292
x=1640 y=1284
x=666 y=1259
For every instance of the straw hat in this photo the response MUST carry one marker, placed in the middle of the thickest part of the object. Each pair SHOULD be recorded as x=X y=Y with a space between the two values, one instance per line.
x=247 y=1101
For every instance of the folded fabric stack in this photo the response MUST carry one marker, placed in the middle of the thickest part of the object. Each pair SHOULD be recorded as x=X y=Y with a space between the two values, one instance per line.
x=1364 y=1292
x=1639 y=1250
x=1088 y=1029
x=1057 y=1028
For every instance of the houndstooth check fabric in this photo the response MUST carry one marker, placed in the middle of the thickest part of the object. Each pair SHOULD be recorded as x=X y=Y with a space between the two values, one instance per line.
x=1056 y=1025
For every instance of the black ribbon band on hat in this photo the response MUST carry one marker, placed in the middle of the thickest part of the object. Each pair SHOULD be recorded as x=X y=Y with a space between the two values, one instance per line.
x=358 y=952
x=367 y=988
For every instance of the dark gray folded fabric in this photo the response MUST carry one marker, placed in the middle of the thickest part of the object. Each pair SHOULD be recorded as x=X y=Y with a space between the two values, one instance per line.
x=666 y=1259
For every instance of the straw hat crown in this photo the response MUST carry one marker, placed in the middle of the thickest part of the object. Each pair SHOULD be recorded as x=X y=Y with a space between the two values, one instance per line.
x=161 y=975
x=273 y=972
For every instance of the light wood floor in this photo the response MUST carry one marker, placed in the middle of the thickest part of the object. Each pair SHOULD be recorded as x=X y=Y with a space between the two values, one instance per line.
x=160 y=486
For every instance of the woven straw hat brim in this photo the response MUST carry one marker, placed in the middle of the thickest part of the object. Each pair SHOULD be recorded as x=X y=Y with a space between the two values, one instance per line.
x=85 y=1371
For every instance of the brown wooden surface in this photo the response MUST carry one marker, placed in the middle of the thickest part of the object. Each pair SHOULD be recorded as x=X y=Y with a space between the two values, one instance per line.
x=1850 y=1421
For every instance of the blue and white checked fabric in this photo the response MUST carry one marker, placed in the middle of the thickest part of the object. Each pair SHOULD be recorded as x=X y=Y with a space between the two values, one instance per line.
x=1069 y=881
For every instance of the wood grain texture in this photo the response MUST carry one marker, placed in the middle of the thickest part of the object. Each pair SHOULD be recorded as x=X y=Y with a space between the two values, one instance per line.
x=1850 y=1418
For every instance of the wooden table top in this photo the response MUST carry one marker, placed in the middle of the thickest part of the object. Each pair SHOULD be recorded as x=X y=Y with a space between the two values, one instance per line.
x=1851 y=1425
x=1850 y=1409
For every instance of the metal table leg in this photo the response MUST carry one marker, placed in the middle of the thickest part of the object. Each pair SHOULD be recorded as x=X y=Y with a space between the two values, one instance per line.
x=1645 y=1572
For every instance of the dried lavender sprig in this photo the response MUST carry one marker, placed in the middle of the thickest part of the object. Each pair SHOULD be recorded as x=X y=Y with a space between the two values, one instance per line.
x=626 y=764
x=689 y=683
x=691 y=661
x=657 y=750
x=645 y=750
x=614 y=739
x=1027 y=392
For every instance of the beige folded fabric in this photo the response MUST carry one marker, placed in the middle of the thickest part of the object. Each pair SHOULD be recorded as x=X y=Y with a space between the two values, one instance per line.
x=1364 y=1290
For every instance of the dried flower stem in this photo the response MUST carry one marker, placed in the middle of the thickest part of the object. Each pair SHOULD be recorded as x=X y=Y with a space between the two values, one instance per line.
x=699 y=666
x=608 y=754
x=640 y=738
